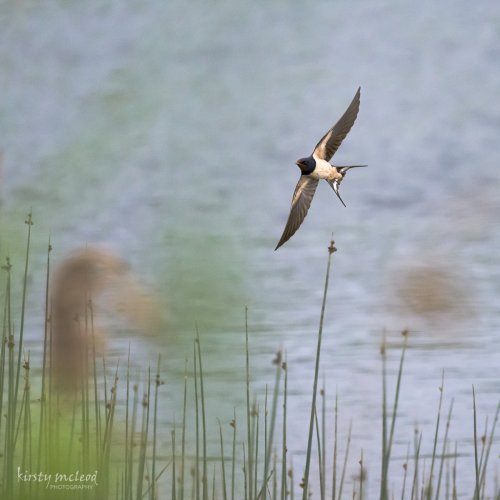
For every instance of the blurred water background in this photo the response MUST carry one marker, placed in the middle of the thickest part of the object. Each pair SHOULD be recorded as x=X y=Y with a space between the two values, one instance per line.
x=167 y=132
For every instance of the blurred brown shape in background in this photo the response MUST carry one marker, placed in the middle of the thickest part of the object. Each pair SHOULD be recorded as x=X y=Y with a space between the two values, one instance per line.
x=90 y=286
x=433 y=292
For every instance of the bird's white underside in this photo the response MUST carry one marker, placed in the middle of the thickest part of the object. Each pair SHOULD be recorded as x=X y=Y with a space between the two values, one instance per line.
x=324 y=170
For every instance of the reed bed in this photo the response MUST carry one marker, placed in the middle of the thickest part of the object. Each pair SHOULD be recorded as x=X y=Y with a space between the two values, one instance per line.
x=105 y=440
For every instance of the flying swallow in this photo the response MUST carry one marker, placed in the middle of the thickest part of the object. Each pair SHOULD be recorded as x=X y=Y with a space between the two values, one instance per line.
x=317 y=166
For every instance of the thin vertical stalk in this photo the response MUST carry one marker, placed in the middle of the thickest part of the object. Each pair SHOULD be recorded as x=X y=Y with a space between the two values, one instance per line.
x=5 y=335
x=245 y=475
x=361 y=476
x=346 y=456
x=51 y=409
x=197 y=420
x=11 y=422
x=27 y=450
x=203 y=420
x=443 y=453
x=144 y=436
x=283 y=439
x=158 y=382
x=454 y=474
x=447 y=481
x=384 y=494
x=97 y=406
x=249 y=424
x=483 y=451
x=436 y=433
x=108 y=431
x=320 y=453
x=43 y=398
x=331 y=250
x=135 y=406
x=323 y=439
x=183 y=438
x=274 y=495
x=405 y=468
x=233 y=456
x=256 y=419
x=270 y=436
x=222 y=461
x=128 y=472
x=488 y=447
x=476 y=488
x=29 y=223
x=335 y=441
x=174 y=491
x=414 y=488
x=383 y=479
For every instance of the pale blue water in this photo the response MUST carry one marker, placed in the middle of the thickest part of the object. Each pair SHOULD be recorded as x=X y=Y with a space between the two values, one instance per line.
x=169 y=134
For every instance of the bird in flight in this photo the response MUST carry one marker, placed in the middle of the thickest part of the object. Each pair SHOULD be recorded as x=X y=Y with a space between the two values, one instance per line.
x=317 y=166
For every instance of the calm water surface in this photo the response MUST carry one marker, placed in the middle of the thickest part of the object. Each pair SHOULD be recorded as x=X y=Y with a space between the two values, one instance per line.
x=168 y=133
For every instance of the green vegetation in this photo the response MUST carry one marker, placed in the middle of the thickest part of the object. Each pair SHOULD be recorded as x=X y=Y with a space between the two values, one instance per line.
x=96 y=443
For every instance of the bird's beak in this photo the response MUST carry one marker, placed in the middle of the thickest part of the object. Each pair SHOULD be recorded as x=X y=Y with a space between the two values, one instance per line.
x=335 y=186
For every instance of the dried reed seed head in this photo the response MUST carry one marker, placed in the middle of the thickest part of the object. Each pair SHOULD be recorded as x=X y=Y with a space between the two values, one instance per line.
x=277 y=358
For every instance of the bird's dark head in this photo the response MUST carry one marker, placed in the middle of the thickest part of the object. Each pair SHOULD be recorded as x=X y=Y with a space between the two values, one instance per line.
x=306 y=165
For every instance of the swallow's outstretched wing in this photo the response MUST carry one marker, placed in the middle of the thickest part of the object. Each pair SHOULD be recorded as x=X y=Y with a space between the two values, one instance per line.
x=301 y=201
x=331 y=141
